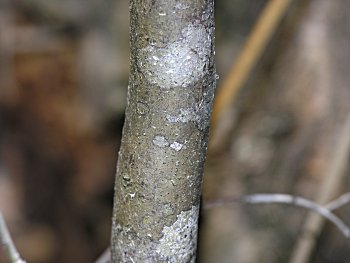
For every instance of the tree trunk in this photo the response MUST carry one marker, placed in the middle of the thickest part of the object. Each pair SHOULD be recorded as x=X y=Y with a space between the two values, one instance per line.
x=159 y=172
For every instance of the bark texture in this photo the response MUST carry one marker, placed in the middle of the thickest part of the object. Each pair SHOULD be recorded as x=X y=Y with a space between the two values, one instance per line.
x=170 y=93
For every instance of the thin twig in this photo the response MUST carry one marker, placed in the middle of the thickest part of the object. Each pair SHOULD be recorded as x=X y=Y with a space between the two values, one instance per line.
x=105 y=257
x=329 y=187
x=302 y=202
x=7 y=243
x=340 y=201
x=286 y=199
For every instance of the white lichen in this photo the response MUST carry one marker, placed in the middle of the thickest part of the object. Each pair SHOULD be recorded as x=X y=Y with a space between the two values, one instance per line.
x=182 y=62
x=160 y=141
x=185 y=115
x=181 y=6
x=179 y=240
x=176 y=146
x=199 y=115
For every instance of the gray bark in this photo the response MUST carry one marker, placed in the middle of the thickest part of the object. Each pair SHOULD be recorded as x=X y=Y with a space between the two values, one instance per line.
x=170 y=93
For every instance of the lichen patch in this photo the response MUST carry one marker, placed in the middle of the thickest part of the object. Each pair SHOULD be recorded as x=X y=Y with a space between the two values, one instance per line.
x=179 y=240
x=176 y=146
x=199 y=115
x=180 y=63
x=185 y=115
x=160 y=141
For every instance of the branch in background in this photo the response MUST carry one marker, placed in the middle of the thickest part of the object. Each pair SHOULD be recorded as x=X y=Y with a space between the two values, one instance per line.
x=340 y=201
x=248 y=57
x=105 y=257
x=329 y=187
x=7 y=243
x=324 y=211
x=302 y=202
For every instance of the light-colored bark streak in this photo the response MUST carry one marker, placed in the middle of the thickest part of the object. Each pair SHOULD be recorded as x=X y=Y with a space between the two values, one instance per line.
x=160 y=165
x=7 y=244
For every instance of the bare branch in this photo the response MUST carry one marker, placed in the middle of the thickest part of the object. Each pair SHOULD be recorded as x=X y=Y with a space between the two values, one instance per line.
x=340 y=201
x=259 y=37
x=302 y=202
x=329 y=186
x=7 y=243
x=293 y=200
x=105 y=257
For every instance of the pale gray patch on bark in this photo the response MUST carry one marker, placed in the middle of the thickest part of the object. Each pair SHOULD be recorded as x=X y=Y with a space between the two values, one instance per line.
x=160 y=141
x=199 y=115
x=184 y=229
x=180 y=63
x=184 y=116
x=176 y=146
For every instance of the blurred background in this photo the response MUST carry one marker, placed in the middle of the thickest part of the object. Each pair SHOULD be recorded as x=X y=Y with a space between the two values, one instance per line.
x=63 y=77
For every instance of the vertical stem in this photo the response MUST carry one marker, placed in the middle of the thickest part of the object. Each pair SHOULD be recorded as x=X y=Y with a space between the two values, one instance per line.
x=160 y=166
